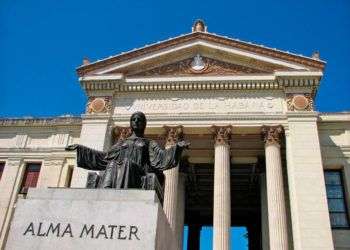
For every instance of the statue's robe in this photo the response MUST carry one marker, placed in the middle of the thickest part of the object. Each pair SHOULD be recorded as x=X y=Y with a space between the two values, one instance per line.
x=128 y=161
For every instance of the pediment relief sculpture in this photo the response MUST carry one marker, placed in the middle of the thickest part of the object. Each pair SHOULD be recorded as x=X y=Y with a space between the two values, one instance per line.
x=200 y=65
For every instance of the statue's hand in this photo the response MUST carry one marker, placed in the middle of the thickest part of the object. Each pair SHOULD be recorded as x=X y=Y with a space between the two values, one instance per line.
x=71 y=147
x=183 y=144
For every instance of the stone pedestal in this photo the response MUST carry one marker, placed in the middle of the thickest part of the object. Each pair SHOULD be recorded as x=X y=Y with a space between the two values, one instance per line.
x=90 y=219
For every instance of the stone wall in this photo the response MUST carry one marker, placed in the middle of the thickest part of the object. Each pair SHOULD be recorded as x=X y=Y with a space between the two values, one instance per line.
x=42 y=141
x=334 y=131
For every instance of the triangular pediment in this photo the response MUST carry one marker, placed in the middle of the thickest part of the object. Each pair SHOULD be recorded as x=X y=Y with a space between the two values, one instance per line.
x=221 y=56
x=199 y=65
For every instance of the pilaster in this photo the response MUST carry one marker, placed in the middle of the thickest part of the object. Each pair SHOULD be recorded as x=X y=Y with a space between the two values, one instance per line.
x=51 y=172
x=9 y=186
x=310 y=222
x=94 y=134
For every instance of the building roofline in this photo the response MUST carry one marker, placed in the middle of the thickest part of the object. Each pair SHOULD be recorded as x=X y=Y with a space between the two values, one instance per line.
x=335 y=116
x=311 y=62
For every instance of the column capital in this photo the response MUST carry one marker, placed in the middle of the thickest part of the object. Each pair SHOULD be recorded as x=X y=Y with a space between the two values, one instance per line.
x=222 y=134
x=173 y=134
x=120 y=133
x=271 y=134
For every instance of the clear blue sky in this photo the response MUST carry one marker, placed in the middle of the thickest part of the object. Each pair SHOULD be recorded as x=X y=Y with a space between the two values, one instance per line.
x=43 y=41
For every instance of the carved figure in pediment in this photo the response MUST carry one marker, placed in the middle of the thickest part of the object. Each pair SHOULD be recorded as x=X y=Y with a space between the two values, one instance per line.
x=200 y=65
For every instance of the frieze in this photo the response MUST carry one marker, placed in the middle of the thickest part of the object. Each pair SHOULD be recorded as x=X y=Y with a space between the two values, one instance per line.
x=203 y=103
x=209 y=67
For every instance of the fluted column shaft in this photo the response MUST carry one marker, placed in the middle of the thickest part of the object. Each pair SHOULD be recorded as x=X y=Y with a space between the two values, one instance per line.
x=180 y=212
x=170 y=195
x=222 y=193
x=277 y=215
x=170 y=204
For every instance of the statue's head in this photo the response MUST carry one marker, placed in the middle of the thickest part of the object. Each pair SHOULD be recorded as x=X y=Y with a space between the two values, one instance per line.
x=138 y=123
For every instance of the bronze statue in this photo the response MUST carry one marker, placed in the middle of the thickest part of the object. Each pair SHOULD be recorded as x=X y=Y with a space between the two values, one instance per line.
x=129 y=160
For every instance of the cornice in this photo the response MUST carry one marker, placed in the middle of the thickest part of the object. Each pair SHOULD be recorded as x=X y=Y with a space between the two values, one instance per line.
x=202 y=83
x=259 y=49
x=29 y=122
x=335 y=117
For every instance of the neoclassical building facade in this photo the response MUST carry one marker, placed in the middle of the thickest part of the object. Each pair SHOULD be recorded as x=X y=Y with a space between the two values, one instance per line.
x=261 y=156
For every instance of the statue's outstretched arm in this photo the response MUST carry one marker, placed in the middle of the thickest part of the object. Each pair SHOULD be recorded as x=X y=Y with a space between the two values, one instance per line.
x=89 y=158
x=162 y=159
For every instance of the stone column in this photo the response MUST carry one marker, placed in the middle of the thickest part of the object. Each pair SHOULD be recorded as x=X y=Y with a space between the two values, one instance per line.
x=180 y=212
x=307 y=191
x=173 y=134
x=222 y=193
x=277 y=216
x=264 y=213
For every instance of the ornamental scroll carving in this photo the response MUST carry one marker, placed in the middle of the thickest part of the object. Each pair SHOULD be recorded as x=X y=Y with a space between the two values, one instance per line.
x=120 y=133
x=300 y=102
x=211 y=67
x=54 y=162
x=100 y=104
x=222 y=134
x=271 y=134
x=173 y=134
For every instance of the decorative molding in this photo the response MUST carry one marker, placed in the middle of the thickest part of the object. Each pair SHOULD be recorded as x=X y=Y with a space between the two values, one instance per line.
x=220 y=83
x=310 y=62
x=222 y=134
x=210 y=67
x=55 y=121
x=300 y=102
x=173 y=134
x=120 y=133
x=13 y=162
x=99 y=104
x=271 y=134
x=215 y=103
x=53 y=162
